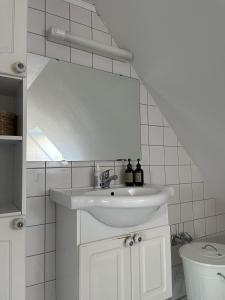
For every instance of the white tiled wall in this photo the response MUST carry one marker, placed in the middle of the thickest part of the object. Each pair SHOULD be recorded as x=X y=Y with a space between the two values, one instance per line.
x=164 y=160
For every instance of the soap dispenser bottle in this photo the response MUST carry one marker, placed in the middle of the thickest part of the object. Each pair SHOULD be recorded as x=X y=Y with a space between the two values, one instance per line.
x=129 y=174
x=138 y=175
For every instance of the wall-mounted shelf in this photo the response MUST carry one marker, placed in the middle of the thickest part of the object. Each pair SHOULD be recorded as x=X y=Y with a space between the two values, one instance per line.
x=10 y=139
x=9 y=209
x=12 y=149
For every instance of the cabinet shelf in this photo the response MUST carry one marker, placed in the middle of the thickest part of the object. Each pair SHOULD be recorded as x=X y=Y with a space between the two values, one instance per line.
x=10 y=139
x=9 y=209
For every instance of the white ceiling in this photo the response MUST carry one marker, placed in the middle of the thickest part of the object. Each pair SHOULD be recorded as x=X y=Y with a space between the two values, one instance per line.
x=179 y=50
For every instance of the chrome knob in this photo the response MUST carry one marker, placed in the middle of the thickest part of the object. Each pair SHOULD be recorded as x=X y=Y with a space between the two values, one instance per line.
x=19 y=223
x=129 y=242
x=19 y=67
x=137 y=238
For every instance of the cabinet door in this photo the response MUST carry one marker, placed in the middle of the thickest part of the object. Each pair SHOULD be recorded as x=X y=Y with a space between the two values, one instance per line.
x=151 y=266
x=12 y=261
x=105 y=272
x=13 y=16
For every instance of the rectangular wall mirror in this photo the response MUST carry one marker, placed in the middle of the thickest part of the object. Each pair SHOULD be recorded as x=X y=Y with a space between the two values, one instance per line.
x=76 y=113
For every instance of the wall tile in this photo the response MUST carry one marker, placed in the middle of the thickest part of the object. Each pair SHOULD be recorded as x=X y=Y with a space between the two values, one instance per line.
x=143 y=94
x=97 y=23
x=186 y=211
x=81 y=57
x=50 y=237
x=151 y=101
x=36 y=21
x=34 y=269
x=199 y=226
x=35 y=182
x=185 y=193
x=58 y=178
x=176 y=198
x=210 y=224
x=144 y=134
x=185 y=174
x=81 y=30
x=102 y=63
x=171 y=157
x=184 y=159
x=157 y=174
x=199 y=209
x=49 y=266
x=103 y=38
x=80 y=15
x=196 y=176
x=58 y=164
x=170 y=138
x=82 y=177
x=189 y=227
x=156 y=155
x=35 y=44
x=144 y=114
x=35 y=211
x=154 y=116
x=210 y=207
x=172 y=176
x=36 y=292
x=35 y=240
x=50 y=290
x=155 y=136
x=56 y=22
x=58 y=7
x=147 y=177
x=50 y=210
x=220 y=223
x=174 y=213
x=57 y=51
x=197 y=189
x=145 y=155
x=37 y=4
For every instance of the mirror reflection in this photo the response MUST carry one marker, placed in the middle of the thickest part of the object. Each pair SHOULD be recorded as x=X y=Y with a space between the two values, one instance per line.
x=76 y=113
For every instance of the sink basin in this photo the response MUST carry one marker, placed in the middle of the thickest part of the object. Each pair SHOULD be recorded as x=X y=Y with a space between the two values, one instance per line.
x=117 y=207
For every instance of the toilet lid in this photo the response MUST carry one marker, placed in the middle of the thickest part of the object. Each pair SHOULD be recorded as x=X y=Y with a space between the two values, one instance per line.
x=204 y=253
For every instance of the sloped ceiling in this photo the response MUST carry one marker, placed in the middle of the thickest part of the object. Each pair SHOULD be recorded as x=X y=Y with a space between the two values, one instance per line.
x=179 y=50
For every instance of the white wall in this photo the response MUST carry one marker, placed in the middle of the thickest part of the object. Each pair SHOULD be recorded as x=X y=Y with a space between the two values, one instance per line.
x=164 y=159
x=179 y=47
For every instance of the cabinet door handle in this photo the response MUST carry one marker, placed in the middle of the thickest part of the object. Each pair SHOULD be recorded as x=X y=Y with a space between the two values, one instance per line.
x=19 y=223
x=129 y=242
x=19 y=67
x=137 y=238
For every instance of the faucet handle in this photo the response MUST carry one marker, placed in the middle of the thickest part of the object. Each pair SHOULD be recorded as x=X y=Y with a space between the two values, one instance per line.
x=105 y=174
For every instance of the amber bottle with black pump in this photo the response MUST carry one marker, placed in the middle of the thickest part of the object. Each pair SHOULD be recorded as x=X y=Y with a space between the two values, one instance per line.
x=129 y=174
x=138 y=175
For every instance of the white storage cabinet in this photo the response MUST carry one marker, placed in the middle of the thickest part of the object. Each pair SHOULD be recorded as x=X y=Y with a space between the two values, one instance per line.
x=12 y=192
x=13 y=27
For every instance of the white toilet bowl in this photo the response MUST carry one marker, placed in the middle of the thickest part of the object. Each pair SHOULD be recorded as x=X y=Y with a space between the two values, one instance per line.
x=204 y=270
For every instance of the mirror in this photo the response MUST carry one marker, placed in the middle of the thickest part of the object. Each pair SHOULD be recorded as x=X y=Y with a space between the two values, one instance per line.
x=76 y=113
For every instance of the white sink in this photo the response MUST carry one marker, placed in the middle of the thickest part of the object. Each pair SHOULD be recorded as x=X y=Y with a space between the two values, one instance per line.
x=117 y=207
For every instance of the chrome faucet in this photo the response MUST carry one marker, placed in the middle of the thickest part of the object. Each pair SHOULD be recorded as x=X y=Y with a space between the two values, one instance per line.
x=106 y=179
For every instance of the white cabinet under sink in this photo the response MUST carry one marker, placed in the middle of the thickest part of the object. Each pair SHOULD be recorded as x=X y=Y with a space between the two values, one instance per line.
x=110 y=270
x=105 y=271
x=94 y=262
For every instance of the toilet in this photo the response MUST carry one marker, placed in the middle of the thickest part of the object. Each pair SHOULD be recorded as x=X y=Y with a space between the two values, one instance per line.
x=204 y=270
